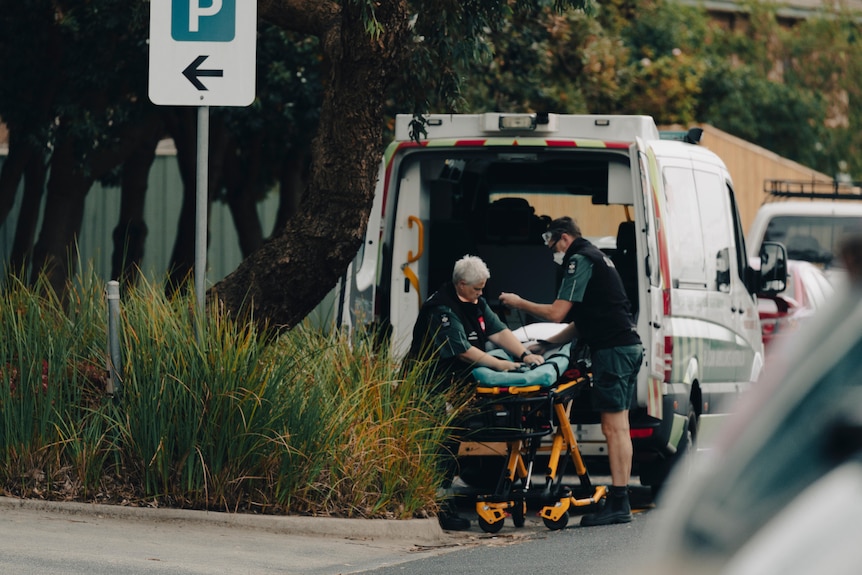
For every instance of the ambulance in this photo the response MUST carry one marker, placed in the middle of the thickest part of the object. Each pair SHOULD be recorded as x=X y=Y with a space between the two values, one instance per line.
x=663 y=209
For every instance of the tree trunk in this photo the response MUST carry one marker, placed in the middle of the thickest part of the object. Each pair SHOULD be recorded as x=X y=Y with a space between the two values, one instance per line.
x=240 y=182
x=181 y=125
x=131 y=232
x=284 y=280
x=35 y=174
x=55 y=253
x=184 y=131
x=16 y=162
x=292 y=182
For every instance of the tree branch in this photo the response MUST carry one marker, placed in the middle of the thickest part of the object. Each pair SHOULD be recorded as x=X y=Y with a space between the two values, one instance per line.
x=313 y=17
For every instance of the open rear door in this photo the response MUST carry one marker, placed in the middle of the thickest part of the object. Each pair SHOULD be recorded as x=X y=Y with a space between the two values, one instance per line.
x=409 y=261
x=653 y=244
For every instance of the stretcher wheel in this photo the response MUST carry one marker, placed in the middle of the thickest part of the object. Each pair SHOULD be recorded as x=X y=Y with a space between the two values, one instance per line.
x=558 y=524
x=519 y=514
x=488 y=527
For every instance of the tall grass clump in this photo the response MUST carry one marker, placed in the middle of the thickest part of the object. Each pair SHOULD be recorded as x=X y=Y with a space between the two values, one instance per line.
x=376 y=434
x=200 y=409
x=211 y=413
x=49 y=382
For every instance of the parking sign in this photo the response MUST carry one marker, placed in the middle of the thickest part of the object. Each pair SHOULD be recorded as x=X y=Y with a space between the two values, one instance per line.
x=202 y=52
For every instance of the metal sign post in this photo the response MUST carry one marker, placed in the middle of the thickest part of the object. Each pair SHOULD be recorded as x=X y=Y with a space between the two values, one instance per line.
x=202 y=53
x=201 y=204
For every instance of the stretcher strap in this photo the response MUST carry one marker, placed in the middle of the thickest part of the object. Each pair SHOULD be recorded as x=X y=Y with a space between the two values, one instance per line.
x=554 y=364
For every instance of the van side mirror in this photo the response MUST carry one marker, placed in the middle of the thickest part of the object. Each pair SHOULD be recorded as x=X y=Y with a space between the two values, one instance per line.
x=773 y=268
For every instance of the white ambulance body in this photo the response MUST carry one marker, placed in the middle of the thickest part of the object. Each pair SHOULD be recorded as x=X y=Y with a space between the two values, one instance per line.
x=488 y=185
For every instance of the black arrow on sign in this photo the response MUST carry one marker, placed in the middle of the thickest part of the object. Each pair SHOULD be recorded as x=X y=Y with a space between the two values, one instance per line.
x=192 y=73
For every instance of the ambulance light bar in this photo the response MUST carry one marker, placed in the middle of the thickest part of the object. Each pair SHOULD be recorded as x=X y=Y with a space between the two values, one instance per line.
x=517 y=123
x=495 y=122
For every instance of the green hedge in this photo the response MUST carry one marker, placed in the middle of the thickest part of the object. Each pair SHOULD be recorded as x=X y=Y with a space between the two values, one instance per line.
x=211 y=414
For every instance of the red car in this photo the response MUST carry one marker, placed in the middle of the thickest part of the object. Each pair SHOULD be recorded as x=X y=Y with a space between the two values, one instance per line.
x=807 y=290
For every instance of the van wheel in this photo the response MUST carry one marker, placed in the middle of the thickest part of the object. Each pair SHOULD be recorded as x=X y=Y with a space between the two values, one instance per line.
x=687 y=445
x=688 y=442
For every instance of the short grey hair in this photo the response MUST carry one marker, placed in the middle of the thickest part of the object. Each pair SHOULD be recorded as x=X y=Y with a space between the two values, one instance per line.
x=471 y=270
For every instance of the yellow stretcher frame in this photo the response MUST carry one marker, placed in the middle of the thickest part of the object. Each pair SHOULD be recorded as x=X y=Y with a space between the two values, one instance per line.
x=492 y=509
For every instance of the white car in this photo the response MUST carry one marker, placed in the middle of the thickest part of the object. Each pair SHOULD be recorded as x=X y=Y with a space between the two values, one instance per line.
x=810 y=230
x=782 y=491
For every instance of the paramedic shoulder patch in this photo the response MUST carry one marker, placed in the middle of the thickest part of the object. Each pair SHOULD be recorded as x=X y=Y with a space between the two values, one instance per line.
x=444 y=319
x=573 y=265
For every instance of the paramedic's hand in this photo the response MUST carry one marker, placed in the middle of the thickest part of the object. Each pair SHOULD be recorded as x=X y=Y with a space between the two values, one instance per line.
x=505 y=365
x=533 y=359
x=512 y=300
x=541 y=347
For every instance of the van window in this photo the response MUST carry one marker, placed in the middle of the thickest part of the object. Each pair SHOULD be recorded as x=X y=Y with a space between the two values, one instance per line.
x=715 y=225
x=649 y=211
x=686 y=245
x=700 y=247
x=739 y=233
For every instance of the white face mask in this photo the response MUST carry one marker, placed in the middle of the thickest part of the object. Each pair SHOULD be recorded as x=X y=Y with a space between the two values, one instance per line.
x=558 y=258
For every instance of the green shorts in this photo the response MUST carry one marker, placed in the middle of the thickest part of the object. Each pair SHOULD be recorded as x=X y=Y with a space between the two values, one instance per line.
x=615 y=376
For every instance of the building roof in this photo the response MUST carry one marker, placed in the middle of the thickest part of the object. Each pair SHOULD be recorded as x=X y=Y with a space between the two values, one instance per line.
x=793 y=9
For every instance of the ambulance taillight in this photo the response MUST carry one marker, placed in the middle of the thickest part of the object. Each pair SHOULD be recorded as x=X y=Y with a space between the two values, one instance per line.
x=668 y=358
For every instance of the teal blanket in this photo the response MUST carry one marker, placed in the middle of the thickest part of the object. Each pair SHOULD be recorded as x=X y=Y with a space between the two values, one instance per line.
x=545 y=375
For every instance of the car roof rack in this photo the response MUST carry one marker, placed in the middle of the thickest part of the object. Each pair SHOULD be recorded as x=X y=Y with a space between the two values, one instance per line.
x=814 y=189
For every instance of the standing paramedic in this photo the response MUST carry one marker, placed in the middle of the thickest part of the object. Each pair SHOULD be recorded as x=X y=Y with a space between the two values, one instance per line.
x=452 y=330
x=591 y=296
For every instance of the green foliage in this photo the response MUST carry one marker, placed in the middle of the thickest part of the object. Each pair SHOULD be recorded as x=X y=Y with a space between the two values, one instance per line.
x=663 y=28
x=534 y=65
x=212 y=413
x=452 y=36
x=79 y=68
x=285 y=111
x=47 y=386
x=777 y=87
x=667 y=88
x=377 y=453
x=784 y=119
x=198 y=411
x=373 y=27
x=574 y=63
x=794 y=90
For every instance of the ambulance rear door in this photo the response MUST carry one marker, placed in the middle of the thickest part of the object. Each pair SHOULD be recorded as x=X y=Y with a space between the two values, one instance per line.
x=652 y=242
x=409 y=264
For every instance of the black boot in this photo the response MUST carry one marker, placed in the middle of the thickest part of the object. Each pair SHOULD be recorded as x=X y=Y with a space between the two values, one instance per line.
x=617 y=509
x=449 y=518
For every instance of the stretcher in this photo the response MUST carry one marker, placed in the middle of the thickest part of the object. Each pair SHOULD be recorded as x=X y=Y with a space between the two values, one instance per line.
x=529 y=409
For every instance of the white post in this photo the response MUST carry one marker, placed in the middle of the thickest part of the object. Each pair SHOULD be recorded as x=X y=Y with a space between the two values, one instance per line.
x=115 y=361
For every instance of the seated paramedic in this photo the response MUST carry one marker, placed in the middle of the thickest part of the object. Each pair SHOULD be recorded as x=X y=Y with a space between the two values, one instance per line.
x=592 y=298
x=452 y=330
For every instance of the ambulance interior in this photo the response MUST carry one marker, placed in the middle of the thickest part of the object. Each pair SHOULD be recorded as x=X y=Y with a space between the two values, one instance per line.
x=496 y=205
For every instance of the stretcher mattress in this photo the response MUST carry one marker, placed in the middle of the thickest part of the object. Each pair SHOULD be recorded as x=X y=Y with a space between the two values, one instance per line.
x=545 y=375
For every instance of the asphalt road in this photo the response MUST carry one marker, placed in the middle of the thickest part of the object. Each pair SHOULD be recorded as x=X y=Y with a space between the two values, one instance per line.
x=608 y=550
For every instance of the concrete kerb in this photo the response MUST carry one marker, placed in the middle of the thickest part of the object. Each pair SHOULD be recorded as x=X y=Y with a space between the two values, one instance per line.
x=424 y=532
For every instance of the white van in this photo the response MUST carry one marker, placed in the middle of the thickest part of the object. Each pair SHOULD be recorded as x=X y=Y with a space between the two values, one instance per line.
x=489 y=184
